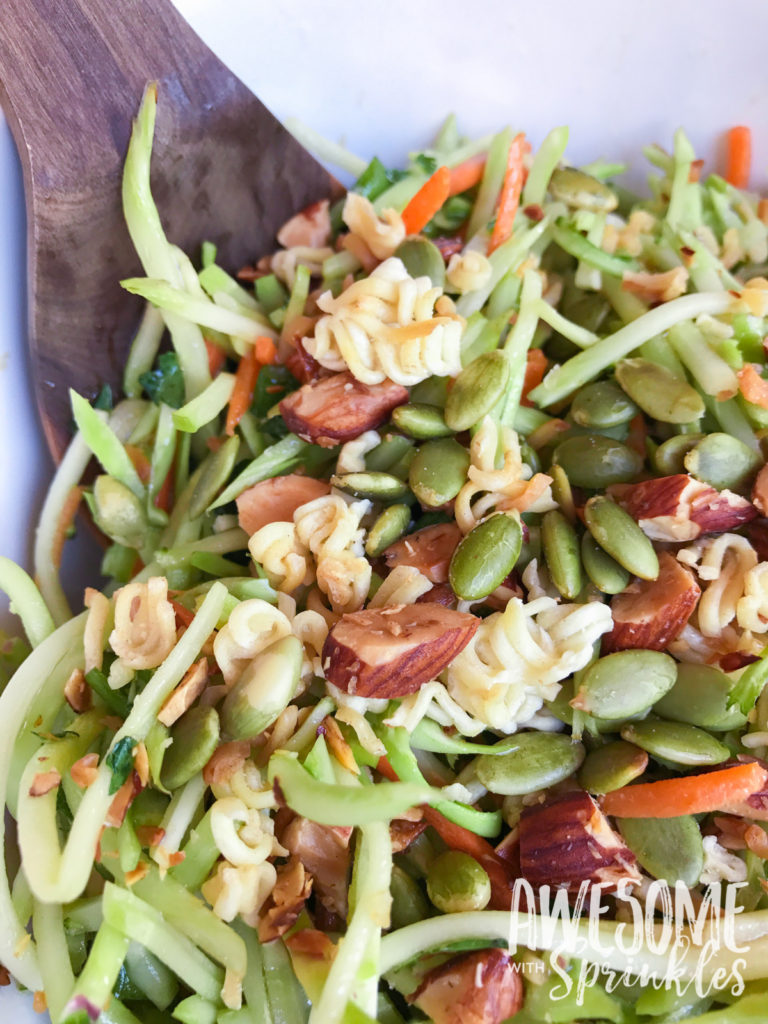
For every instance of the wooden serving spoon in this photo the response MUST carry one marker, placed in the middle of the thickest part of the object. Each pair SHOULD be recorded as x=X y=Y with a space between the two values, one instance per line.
x=72 y=73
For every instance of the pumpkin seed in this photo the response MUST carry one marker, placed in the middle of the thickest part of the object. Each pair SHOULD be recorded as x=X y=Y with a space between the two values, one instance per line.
x=432 y=391
x=384 y=456
x=560 y=544
x=388 y=527
x=409 y=904
x=118 y=513
x=579 y=189
x=700 y=697
x=675 y=742
x=476 y=390
x=605 y=572
x=438 y=471
x=485 y=557
x=612 y=766
x=422 y=258
x=668 y=457
x=625 y=683
x=264 y=690
x=194 y=738
x=561 y=492
x=723 y=462
x=617 y=533
x=456 y=882
x=376 y=486
x=215 y=472
x=561 y=708
x=596 y=461
x=421 y=421
x=602 y=404
x=670 y=849
x=659 y=392
x=541 y=759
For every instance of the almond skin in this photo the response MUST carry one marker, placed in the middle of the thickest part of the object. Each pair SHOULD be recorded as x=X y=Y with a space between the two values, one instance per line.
x=568 y=840
x=760 y=491
x=391 y=651
x=275 y=500
x=474 y=988
x=651 y=613
x=428 y=550
x=339 y=408
x=679 y=508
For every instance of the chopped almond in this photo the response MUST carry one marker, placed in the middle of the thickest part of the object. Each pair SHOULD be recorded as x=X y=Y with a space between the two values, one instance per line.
x=760 y=491
x=77 y=692
x=275 y=500
x=139 y=872
x=185 y=694
x=403 y=832
x=225 y=761
x=85 y=771
x=324 y=852
x=141 y=763
x=339 y=747
x=122 y=800
x=310 y=228
x=289 y=895
x=39 y=1002
x=428 y=550
x=312 y=943
x=757 y=841
x=150 y=835
x=44 y=782
x=167 y=859
x=475 y=988
x=662 y=287
x=5 y=977
x=649 y=614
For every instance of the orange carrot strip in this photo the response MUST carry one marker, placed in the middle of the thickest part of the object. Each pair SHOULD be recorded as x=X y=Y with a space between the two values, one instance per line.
x=216 y=357
x=265 y=350
x=510 y=193
x=752 y=386
x=164 y=497
x=63 y=523
x=140 y=462
x=467 y=175
x=242 y=392
x=738 y=158
x=535 y=368
x=427 y=201
x=694 y=794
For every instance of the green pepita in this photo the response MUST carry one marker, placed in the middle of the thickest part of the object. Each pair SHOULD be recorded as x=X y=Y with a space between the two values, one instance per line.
x=612 y=766
x=194 y=738
x=438 y=471
x=421 y=421
x=676 y=742
x=579 y=189
x=422 y=258
x=118 y=512
x=700 y=697
x=560 y=707
x=602 y=404
x=562 y=492
x=541 y=759
x=668 y=458
x=485 y=557
x=596 y=461
x=376 y=486
x=476 y=390
x=617 y=533
x=605 y=572
x=457 y=882
x=409 y=904
x=388 y=527
x=560 y=544
x=659 y=392
x=264 y=690
x=384 y=456
x=670 y=849
x=723 y=462
x=432 y=391
x=624 y=684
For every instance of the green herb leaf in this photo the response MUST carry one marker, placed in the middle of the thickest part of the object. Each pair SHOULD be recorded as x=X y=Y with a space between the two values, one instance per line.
x=104 y=400
x=120 y=760
x=166 y=382
x=375 y=179
x=115 y=700
x=272 y=385
x=425 y=163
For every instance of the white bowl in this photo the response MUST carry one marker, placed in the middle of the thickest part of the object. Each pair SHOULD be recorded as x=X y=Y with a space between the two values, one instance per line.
x=382 y=77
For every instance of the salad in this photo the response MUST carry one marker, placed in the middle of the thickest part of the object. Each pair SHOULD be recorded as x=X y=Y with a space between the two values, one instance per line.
x=435 y=599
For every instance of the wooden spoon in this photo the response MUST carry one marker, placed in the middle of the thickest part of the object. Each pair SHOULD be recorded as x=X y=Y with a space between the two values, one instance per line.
x=72 y=73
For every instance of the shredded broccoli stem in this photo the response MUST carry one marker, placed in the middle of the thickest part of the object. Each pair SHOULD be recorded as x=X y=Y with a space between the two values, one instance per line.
x=548 y=156
x=490 y=186
x=144 y=349
x=206 y=406
x=26 y=601
x=105 y=444
x=324 y=149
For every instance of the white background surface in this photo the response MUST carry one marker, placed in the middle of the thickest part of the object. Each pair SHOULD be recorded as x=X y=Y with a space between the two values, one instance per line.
x=382 y=76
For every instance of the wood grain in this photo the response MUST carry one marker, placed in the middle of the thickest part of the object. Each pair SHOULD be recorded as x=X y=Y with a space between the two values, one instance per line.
x=72 y=73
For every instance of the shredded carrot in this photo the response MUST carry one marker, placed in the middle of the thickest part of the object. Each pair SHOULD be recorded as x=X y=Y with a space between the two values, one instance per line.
x=184 y=616
x=242 y=393
x=265 y=350
x=216 y=357
x=752 y=385
x=514 y=179
x=762 y=210
x=738 y=159
x=535 y=368
x=140 y=462
x=64 y=522
x=467 y=175
x=427 y=201
x=164 y=497
x=693 y=794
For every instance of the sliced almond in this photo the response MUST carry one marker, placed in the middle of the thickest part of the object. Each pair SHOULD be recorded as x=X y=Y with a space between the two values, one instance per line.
x=287 y=900
x=275 y=500
x=77 y=692
x=568 y=840
x=391 y=651
x=185 y=694
x=339 y=408
x=311 y=227
x=484 y=987
x=338 y=746
x=122 y=800
x=428 y=550
x=150 y=835
x=679 y=508
x=139 y=872
x=44 y=782
x=651 y=613
x=85 y=771
x=226 y=760
x=403 y=832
